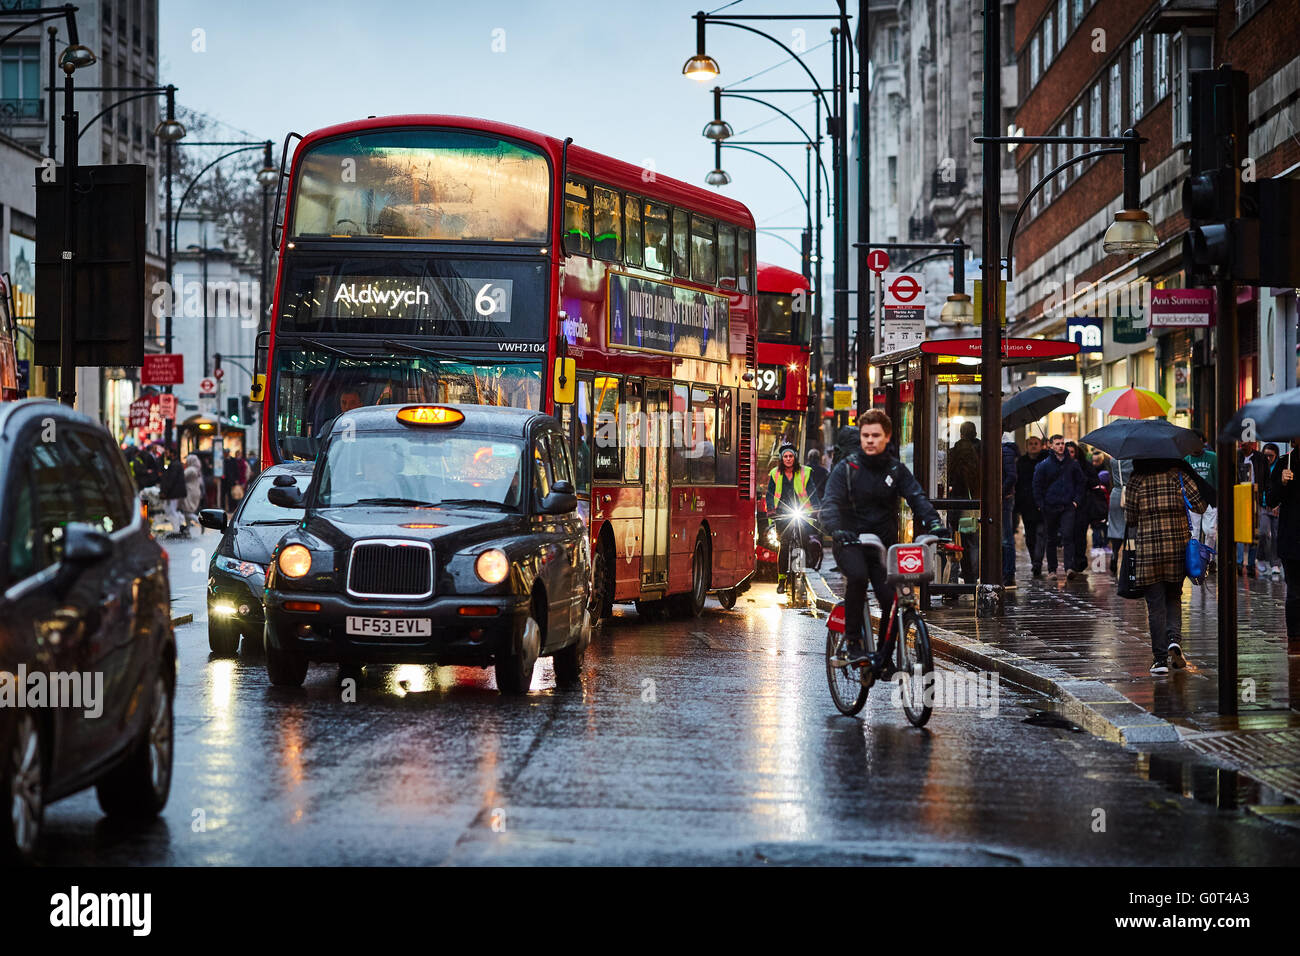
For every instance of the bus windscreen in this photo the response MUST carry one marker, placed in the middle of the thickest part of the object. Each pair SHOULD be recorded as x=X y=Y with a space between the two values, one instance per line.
x=445 y=185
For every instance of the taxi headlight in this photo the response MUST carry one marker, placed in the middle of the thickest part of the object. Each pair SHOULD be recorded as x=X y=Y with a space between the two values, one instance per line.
x=492 y=566
x=295 y=561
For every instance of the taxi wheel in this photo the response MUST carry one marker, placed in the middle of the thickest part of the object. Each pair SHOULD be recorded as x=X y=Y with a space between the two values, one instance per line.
x=22 y=778
x=284 y=668
x=514 y=669
x=568 y=663
x=138 y=788
x=223 y=639
x=602 y=582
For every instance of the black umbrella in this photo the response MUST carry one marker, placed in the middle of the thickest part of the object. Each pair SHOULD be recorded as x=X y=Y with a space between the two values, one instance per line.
x=1144 y=438
x=1031 y=405
x=1271 y=418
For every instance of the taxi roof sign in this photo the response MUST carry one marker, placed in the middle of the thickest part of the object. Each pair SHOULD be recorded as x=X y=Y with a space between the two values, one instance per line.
x=430 y=415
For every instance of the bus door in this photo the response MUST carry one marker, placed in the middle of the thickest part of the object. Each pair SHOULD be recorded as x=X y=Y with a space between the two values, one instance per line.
x=654 y=527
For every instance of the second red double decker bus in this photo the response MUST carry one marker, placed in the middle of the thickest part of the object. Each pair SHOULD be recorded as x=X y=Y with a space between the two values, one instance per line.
x=783 y=309
x=446 y=259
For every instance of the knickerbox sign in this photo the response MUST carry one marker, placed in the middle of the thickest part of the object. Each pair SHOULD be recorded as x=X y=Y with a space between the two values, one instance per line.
x=659 y=317
x=1182 y=308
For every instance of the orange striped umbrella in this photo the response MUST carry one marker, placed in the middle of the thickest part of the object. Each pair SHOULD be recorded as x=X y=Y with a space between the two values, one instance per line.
x=1130 y=402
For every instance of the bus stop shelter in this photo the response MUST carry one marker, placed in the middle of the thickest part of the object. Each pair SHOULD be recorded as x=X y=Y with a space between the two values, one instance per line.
x=929 y=391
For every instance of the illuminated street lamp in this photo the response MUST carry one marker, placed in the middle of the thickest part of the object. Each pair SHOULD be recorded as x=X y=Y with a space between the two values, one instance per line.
x=701 y=66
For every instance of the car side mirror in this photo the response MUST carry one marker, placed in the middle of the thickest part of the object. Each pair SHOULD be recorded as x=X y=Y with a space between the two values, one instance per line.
x=562 y=500
x=85 y=544
x=214 y=518
x=285 y=497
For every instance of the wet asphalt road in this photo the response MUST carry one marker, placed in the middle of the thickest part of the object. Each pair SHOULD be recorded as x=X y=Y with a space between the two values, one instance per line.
x=704 y=741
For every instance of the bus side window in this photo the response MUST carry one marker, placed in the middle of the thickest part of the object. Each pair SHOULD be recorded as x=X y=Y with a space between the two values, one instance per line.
x=726 y=474
x=745 y=263
x=681 y=244
x=583 y=436
x=703 y=446
x=577 y=218
x=704 y=257
x=679 y=420
x=656 y=237
x=632 y=230
x=608 y=464
x=607 y=238
x=726 y=256
x=634 y=432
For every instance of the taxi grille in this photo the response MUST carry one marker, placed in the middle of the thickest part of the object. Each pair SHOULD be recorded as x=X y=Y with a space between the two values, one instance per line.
x=391 y=569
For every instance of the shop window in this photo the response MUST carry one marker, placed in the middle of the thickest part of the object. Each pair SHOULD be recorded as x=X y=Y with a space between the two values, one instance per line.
x=607 y=238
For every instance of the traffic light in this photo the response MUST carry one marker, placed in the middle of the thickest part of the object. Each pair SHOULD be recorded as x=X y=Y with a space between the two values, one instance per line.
x=216 y=362
x=1217 y=240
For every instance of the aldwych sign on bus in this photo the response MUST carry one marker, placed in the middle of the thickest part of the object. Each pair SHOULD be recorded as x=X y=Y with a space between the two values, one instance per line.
x=661 y=317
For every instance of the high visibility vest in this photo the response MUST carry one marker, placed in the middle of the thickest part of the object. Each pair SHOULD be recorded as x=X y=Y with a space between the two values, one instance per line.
x=800 y=484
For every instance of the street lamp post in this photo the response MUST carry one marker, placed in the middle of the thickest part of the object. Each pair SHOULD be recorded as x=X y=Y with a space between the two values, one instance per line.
x=74 y=57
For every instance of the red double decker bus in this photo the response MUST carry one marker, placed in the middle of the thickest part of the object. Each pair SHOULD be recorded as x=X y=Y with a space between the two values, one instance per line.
x=446 y=259
x=784 y=309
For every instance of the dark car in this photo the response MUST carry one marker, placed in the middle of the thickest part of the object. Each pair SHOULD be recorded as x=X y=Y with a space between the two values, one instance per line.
x=237 y=572
x=443 y=534
x=86 y=643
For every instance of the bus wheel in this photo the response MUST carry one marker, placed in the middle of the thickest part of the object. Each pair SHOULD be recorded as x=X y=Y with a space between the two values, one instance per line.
x=691 y=604
x=602 y=582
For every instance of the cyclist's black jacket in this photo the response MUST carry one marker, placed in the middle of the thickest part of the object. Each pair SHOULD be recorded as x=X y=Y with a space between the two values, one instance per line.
x=862 y=497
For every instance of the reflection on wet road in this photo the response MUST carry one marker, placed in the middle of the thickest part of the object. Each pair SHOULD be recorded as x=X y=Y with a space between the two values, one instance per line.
x=710 y=740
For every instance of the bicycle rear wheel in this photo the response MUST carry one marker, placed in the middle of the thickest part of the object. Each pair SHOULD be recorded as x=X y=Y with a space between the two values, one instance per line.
x=847 y=689
x=914 y=662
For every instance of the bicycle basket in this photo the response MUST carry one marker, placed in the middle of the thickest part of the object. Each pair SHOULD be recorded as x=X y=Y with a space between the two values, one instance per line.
x=909 y=564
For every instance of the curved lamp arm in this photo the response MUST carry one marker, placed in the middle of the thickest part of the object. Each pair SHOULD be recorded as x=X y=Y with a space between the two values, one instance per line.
x=811 y=142
x=112 y=106
x=774 y=163
x=188 y=189
x=1015 y=223
x=817 y=87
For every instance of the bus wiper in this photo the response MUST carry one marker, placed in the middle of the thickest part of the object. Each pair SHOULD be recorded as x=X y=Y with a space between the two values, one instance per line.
x=413 y=502
x=475 y=502
x=420 y=350
x=322 y=347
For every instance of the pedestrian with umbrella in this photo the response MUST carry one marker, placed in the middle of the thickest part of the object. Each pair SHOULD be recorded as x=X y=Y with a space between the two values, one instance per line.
x=1163 y=491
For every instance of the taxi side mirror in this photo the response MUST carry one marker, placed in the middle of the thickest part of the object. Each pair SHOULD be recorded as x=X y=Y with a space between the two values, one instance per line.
x=562 y=500
x=214 y=518
x=285 y=497
x=565 y=385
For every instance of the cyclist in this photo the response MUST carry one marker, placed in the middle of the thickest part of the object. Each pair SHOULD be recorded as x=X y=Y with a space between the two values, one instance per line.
x=862 y=497
x=789 y=486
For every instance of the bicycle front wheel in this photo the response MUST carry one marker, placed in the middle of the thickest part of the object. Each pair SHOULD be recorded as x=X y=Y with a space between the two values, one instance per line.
x=914 y=662
x=847 y=689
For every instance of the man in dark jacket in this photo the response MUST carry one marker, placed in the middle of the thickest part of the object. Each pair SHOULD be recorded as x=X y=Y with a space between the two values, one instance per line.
x=1009 y=455
x=964 y=482
x=1058 y=488
x=171 y=488
x=1284 y=494
x=1027 y=507
x=862 y=498
x=819 y=474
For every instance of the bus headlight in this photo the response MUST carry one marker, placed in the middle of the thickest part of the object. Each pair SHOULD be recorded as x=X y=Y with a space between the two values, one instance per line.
x=295 y=561
x=492 y=566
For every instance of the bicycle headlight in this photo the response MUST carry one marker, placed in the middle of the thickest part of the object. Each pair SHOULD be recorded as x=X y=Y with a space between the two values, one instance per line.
x=492 y=566
x=295 y=561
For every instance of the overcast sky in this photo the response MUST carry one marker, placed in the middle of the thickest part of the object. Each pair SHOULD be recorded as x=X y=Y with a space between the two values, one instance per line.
x=608 y=74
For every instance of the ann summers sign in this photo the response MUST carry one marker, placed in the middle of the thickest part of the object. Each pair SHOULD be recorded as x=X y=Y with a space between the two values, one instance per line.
x=660 y=317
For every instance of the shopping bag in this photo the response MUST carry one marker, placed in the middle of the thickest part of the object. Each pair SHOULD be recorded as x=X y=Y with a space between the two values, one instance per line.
x=1127 y=586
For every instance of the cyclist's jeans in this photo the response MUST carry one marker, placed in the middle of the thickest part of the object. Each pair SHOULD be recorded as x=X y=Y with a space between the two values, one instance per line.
x=858 y=566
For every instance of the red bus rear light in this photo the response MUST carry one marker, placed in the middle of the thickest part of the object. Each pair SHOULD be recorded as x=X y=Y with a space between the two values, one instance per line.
x=478 y=610
x=311 y=606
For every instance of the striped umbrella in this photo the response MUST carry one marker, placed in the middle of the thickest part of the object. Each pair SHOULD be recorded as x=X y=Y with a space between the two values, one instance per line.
x=1126 y=401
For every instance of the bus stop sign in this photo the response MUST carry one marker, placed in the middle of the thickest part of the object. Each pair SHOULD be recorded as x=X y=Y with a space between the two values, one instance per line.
x=877 y=260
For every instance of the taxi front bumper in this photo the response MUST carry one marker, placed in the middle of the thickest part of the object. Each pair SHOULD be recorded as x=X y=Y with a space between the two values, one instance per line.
x=467 y=630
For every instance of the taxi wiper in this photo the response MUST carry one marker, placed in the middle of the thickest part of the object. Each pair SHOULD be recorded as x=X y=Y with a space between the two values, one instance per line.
x=414 y=502
x=420 y=350
x=271 y=521
x=475 y=502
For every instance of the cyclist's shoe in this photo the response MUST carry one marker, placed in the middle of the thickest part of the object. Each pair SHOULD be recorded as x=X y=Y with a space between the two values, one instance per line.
x=855 y=653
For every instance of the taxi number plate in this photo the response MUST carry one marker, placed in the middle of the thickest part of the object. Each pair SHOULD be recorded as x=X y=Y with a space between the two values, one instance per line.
x=390 y=626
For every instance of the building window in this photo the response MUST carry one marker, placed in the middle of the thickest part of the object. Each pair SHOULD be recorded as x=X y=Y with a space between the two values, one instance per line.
x=893 y=180
x=1034 y=167
x=1062 y=22
x=1078 y=12
x=1094 y=113
x=891 y=48
x=20 y=80
x=1035 y=54
x=1049 y=160
x=1160 y=57
x=1190 y=50
x=1136 y=78
x=1116 y=106
x=1062 y=155
x=1049 y=41
x=1079 y=130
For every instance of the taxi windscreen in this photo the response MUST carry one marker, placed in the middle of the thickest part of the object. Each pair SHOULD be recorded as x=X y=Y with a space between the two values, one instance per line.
x=420 y=467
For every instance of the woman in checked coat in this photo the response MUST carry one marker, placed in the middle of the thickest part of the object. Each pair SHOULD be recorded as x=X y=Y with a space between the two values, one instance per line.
x=1157 y=522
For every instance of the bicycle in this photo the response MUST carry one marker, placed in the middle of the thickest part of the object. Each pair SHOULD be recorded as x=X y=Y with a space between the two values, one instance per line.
x=907 y=567
x=802 y=556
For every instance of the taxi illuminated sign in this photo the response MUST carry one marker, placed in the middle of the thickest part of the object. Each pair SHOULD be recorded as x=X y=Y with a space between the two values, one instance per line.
x=429 y=415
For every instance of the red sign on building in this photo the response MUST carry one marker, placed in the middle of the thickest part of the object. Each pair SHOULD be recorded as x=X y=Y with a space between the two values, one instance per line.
x=163 y=369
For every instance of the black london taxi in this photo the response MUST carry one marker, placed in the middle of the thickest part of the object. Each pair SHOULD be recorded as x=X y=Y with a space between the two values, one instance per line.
x=433 y=534
x=237 y=571
x=87 y=651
